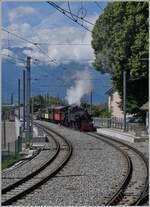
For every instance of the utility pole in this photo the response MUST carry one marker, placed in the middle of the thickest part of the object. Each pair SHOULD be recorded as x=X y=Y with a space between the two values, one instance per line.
x=12 y=99
x=19 y=99
x=28 y=98
x=24 y=99
x=48 y=99
x=91 y=102
x=45 y=97
x=32 y=111
x=124 y=99
x=4 y=121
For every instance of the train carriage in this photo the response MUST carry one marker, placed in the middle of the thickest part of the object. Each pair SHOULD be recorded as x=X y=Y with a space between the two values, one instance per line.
x=60 y=113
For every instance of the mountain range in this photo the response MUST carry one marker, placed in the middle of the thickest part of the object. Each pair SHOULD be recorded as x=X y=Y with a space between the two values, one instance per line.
x=54 y=80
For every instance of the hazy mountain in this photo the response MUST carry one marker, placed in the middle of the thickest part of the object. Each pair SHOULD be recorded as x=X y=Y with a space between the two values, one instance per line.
x=52 y=80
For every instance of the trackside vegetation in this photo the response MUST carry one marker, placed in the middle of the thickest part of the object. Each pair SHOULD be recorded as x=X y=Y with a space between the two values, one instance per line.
x=120 y=42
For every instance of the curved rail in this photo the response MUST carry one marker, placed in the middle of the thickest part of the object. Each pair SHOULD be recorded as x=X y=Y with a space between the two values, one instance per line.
x=24 y=161
x=119 y=193
x=143 y=197
x=46 y=178
x=31 y=175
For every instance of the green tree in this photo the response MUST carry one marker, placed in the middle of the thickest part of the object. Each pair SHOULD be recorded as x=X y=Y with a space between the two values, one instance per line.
x=41 y=102
x=120 y=42
x=95 y=110
x=105 y=113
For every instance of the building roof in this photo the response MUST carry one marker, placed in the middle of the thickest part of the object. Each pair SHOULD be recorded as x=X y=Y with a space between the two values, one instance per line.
x=145 y=107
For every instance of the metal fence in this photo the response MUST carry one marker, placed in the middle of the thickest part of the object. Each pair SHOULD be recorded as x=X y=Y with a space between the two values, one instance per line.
x=135 y=128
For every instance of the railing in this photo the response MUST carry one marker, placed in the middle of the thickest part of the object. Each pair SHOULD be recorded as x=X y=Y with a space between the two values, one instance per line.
x=137 y=129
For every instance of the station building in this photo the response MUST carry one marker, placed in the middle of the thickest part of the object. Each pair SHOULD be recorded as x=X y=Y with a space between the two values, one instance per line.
x=113 y=103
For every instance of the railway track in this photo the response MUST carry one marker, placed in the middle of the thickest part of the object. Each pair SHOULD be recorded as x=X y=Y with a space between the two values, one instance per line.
x=19 y=164
x=125 y=194
x=24 y=186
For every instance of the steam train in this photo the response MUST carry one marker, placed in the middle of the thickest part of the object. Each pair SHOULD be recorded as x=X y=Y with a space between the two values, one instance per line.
x=71 y=116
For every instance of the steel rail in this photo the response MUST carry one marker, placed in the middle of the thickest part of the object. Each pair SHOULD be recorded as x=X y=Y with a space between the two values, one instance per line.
x=31 y=175
x=47 y=177
x=24 y=161
x=117 y=196
x=144 y=195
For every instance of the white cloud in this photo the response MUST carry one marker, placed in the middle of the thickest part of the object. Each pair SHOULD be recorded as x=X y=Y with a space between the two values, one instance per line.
x=18 y=13
x=6 y=53
x=21 y=29
x=44 y=33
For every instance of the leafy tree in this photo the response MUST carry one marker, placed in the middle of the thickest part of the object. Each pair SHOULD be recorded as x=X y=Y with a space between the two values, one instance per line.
x=120 y=42
x=105 y=113
x=95 y=110
x=41 y=102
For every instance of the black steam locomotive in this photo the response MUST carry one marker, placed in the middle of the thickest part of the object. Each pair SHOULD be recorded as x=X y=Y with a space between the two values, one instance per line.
x=72 y=116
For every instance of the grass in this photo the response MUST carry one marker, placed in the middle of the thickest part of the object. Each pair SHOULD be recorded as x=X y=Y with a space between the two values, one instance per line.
x=10 y=161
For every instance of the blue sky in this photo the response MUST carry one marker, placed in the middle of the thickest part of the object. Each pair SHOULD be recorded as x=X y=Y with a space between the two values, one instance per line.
x=44 y=9
x=39 y=22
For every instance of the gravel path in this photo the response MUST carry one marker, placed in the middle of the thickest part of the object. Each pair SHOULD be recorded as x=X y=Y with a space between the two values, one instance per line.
x=89 y=178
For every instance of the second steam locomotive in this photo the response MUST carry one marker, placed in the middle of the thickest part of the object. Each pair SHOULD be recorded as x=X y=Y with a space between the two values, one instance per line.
x=71 y=116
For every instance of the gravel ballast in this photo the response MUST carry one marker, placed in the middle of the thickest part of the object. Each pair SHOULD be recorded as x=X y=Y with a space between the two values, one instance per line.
x=30 y=166
x=90 y=177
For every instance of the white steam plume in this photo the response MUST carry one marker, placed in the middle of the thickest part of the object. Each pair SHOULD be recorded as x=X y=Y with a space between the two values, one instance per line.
x=82 y=86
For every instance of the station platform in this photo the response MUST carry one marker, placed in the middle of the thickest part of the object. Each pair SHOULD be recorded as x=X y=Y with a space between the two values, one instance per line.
x=120 y=134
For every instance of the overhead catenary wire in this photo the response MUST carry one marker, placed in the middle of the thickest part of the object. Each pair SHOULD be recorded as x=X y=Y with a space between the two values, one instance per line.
x=33 y=43
x=13 y=57
x=98 y=5
x=66 y=44
x=11 y=61
x=22 y=38
x=36 y=45
x=17 y=58
x=71 y=11
x=65 y=12
x=62 y=43
x=15 y=62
